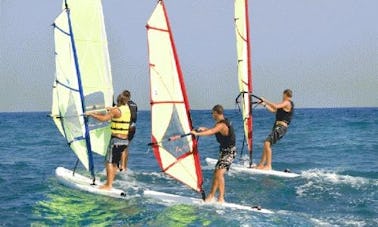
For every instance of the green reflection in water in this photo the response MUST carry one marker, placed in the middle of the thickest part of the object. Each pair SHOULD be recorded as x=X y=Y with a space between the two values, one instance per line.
x=180 y=215
x=69 y=207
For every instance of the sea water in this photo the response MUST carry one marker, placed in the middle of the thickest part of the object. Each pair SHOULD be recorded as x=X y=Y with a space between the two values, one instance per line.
x=335 y=151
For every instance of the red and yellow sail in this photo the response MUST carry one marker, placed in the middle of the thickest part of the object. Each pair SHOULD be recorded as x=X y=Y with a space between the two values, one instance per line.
x=241 y=19
x=170 y=114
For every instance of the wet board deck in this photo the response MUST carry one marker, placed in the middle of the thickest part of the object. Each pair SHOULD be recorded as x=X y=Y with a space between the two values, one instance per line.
x=77 y=181
x=241 y=168
x=178 y=199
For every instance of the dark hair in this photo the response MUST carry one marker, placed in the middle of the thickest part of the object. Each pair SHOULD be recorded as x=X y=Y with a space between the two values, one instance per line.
x=122 y=100
x=288 y=92
x=218 y=109
x=126 y=93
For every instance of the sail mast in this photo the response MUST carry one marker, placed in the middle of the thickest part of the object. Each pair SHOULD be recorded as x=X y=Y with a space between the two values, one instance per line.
x=244 y=69
x=250 y=84
x=80 y=85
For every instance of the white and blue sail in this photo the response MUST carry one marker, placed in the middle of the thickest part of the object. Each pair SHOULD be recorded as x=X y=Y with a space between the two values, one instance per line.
x=83 y=78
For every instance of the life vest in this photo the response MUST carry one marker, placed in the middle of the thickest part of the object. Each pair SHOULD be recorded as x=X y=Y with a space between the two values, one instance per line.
x=228 y=140
x=121 y=125
x=284 y=116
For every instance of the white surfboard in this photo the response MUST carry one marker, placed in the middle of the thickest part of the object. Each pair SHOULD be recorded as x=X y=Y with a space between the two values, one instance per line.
x=77 y=181
x=246 y=169
x=178 y=199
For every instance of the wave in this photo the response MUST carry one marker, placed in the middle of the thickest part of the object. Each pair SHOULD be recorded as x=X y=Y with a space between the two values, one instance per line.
x=319 y=181
x=333 y=177
x=342 y=221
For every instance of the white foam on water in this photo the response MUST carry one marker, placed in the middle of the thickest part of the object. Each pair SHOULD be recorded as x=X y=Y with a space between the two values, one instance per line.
x=128 y=184
x=319 y=222
x=207 y=167
x=354 y=222
x=340 y=221
x=156 y=174
x=301 y=190
x=320 y=181
x=326 y=176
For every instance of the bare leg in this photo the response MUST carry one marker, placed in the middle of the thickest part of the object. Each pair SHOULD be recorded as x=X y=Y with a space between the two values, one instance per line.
x=268 y=150
x=220 y=176
x=263 y=157
x=214 y=187
x=124 y=159
x=110 y=173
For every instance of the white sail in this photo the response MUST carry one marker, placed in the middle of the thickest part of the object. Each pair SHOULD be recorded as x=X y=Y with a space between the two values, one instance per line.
x=244 y=67
x=170 y=106
x=83 y=77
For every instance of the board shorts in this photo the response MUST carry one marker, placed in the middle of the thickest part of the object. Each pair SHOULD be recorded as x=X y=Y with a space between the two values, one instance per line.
x=115 y=148
x=226 y=156
x=278 y=131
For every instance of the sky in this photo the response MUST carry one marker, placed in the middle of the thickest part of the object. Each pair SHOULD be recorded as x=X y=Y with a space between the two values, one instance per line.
x=326 y=51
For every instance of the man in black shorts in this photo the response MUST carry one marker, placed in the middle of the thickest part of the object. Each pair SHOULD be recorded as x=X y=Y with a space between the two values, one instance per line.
x=284 y=112
x=132 y=129
x=224 y=132
x=120 y=117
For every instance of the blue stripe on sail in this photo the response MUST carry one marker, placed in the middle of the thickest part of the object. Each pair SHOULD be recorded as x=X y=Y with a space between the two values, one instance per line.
x=66 y=86
x=87 y=138
x=76 y=139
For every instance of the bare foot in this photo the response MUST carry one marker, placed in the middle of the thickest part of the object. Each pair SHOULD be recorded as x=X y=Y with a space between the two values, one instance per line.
x=209 y=198
x=267 y=168
x=220 y=200
x=260 y=166
x=105 y=187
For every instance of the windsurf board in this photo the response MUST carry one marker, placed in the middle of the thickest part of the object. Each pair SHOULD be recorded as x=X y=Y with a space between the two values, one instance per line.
x=178 y=199
x=77 y=181
x=246 y=169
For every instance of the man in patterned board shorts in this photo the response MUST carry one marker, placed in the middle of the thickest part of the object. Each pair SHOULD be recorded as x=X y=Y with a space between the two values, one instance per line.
x=284 y=112
x=224 y=132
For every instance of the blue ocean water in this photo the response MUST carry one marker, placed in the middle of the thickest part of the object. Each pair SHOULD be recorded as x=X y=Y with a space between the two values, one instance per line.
x=334 y=150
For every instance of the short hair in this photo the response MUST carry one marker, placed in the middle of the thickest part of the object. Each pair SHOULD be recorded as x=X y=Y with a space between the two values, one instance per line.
x=218 y=109
x=126 y=93
x=122 y=100
x=288 y=92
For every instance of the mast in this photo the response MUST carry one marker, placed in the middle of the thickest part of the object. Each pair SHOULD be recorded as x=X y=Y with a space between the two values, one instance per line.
x=80 y=85
x=242 y=31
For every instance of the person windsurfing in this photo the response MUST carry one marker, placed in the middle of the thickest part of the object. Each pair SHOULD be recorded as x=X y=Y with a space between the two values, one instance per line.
x=224 y=133
x=284 y=113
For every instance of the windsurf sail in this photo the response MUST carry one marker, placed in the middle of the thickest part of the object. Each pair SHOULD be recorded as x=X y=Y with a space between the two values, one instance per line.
x=83 y=78
x=170 y=110
x=244 y=68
